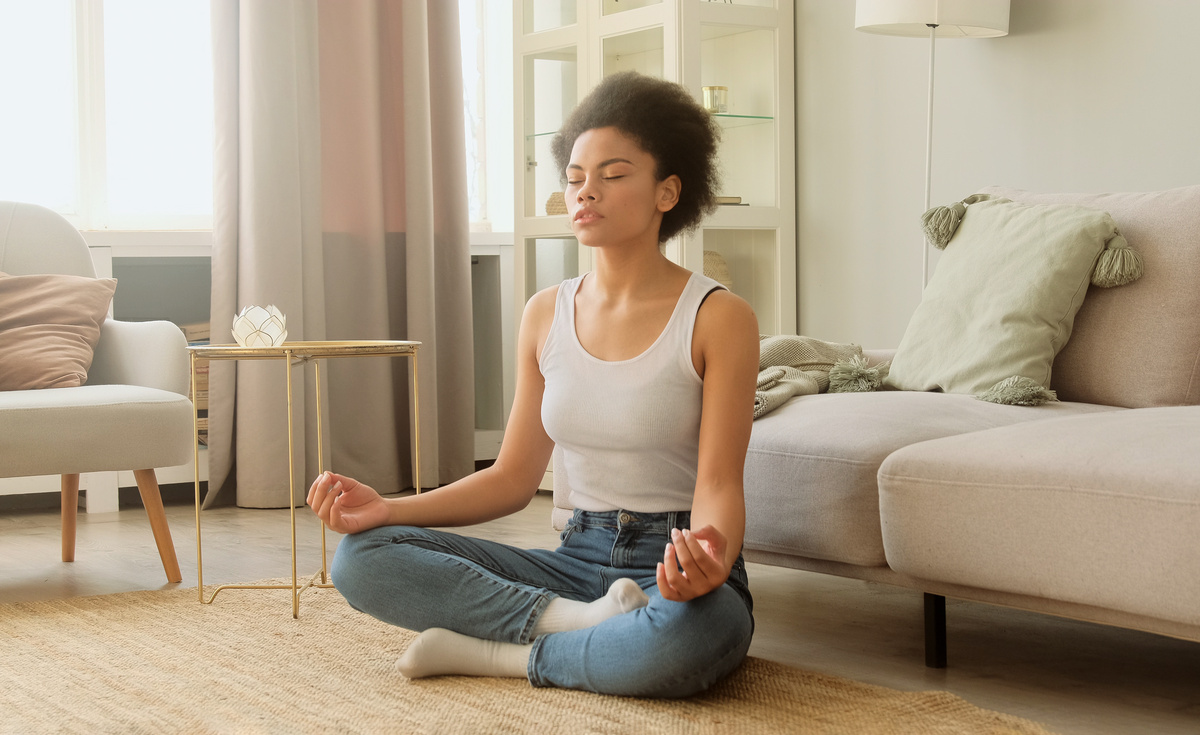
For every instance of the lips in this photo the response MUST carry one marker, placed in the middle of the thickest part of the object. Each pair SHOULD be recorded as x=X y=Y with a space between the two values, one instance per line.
x=584 y=216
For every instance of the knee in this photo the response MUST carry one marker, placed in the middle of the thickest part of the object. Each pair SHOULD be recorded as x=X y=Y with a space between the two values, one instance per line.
x=702 y=644
x=354 y=568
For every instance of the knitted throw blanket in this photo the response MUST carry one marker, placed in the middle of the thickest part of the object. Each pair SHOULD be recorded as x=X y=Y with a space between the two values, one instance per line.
x=795 y=366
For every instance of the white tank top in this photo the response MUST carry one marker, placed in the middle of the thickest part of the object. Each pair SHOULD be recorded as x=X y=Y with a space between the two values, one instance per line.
x=627 y=431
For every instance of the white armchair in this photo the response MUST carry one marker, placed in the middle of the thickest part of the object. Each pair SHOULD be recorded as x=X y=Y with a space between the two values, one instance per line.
x=132 y=412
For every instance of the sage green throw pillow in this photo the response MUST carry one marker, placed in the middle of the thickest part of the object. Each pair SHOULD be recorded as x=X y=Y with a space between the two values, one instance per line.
x=1003 y=298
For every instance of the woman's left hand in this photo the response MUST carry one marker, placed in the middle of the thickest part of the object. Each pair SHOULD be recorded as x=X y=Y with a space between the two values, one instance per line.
x=693 y=564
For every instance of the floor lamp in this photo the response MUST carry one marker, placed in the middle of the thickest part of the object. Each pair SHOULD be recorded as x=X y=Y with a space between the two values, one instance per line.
x=932 y=19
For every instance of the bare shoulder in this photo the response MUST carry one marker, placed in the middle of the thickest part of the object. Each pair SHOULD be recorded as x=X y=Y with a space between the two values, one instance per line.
x=726 y=333
x=536 y=320
x=725 y=315
x=539 y=310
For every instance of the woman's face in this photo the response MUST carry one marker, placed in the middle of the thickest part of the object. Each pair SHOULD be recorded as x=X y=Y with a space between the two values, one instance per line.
x=613 y=195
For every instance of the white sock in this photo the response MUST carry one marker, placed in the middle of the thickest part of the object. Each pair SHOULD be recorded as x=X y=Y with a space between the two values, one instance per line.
x=562 y=614
x=441 y=652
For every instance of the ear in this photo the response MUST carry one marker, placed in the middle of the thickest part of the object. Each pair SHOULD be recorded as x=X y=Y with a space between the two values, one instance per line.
x=668 y=193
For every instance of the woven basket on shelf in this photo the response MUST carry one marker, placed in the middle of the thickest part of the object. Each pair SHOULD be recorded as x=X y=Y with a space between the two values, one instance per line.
x=556 y=204
x=717 y=269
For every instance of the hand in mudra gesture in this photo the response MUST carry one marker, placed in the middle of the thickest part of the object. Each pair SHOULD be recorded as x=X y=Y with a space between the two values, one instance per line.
x=693 y=564
x=345 y=504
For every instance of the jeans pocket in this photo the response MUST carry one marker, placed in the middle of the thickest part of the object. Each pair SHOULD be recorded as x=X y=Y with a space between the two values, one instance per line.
x=567 y=532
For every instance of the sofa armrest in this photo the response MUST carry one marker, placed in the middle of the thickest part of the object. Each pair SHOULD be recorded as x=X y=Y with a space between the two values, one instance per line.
x=874 y=357
x=149 y=354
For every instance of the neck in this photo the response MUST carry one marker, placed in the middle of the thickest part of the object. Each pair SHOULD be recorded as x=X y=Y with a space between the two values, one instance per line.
x=630 y=272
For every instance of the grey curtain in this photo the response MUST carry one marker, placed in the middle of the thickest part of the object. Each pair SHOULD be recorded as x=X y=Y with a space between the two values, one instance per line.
x=340 y=197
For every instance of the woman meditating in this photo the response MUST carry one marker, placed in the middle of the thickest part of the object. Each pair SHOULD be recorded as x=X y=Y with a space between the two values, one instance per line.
x=643 y=374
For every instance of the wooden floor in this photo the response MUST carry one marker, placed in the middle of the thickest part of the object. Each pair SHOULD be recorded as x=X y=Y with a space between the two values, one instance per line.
x=1072 y=677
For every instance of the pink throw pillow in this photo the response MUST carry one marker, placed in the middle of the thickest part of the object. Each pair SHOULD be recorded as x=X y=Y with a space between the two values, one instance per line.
x=49 y=327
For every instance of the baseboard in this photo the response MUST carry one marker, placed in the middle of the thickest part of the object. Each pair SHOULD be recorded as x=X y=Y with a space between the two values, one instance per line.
x=180 y=493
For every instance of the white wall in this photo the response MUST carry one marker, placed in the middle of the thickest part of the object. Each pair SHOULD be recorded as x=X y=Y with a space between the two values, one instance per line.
x=1082 y=95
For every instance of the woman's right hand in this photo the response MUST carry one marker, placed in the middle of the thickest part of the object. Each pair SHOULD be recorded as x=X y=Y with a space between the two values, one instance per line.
x=345 y=504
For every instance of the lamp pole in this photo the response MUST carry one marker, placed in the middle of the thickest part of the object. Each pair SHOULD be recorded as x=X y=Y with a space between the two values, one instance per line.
x=928 y=155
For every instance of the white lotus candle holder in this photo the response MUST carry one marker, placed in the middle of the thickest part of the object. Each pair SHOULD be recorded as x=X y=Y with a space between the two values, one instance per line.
x=258 y=326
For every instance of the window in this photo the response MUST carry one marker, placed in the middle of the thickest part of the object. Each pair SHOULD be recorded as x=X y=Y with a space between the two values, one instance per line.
x=113 y=103
x=486 y=29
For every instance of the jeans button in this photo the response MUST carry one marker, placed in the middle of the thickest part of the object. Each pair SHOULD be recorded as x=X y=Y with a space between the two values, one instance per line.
x=624 y=518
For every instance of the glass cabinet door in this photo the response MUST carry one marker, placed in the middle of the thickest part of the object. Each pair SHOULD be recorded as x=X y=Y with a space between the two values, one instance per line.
x=738 y=87
x=746 y=262
x=612 y=7
x=545 y=15
x=549 y=261
x=550 y=84
x=640 y=51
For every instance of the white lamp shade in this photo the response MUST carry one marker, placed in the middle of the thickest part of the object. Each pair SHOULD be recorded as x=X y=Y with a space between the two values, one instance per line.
x=954 y=18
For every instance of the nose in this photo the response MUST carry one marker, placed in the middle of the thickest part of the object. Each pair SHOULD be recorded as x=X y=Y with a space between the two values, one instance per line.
x=585 y=192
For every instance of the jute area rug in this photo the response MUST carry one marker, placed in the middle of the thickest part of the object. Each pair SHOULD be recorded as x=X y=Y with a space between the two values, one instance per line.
x=160 y=662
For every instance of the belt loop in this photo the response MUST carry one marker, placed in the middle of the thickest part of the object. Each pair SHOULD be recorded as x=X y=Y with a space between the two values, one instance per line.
x=671 y=516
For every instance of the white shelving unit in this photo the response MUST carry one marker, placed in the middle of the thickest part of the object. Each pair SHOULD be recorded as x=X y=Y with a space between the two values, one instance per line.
x=563 y=48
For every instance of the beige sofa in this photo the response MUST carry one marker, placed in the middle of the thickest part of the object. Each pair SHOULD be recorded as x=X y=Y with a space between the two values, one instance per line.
x=1088 y=508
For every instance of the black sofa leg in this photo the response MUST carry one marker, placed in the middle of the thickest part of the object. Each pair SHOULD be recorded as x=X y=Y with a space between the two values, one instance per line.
x=935 y=631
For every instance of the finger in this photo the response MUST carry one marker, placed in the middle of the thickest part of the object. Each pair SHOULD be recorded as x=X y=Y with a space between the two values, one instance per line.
x=326 y=511
x=682 y=551
x=703 y=560
x=324 y=508
x=675 y=577
x=664 y=587
x=716 y=541
x=312 y=489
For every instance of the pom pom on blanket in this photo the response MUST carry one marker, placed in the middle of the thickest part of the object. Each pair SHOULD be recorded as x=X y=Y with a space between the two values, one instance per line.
x=856 y=376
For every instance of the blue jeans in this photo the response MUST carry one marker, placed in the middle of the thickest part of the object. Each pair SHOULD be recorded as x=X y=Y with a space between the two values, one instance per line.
x=419 y=578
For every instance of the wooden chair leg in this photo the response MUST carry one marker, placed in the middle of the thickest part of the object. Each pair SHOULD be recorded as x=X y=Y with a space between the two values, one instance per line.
x=70 y=513
x=151 y=498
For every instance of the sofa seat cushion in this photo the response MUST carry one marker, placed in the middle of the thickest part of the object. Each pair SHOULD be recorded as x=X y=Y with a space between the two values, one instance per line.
x=143 y=428
x=810 y=478
x=1100 y=510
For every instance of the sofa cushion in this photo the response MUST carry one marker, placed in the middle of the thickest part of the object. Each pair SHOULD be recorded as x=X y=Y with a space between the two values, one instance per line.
x=810 y=478
x=1099 y=510
x=1137 y=345
x=1003 y=298
x=49 y=326
x=108 y=427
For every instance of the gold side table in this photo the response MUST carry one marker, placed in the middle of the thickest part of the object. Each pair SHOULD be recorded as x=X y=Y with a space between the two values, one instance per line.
x=291 y=354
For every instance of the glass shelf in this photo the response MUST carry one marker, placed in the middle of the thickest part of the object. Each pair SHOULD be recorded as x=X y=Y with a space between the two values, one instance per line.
x=728 y=122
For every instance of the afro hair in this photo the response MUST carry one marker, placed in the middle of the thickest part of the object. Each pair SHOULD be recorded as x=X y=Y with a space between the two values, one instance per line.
x=668 y=124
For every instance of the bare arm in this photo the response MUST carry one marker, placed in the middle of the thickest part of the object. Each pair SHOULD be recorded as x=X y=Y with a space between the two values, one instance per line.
x=725 y=345
x=507 y=486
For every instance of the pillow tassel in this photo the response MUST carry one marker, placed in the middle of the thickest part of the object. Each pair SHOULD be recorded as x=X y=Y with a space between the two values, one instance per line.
x=940 y=223
x=1118 y=264
x=1018 y=391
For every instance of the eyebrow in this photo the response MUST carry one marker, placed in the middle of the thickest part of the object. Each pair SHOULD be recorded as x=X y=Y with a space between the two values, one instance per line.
x=609 y=162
